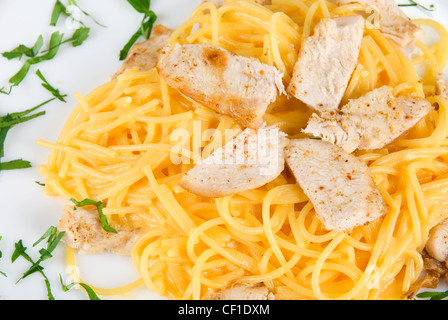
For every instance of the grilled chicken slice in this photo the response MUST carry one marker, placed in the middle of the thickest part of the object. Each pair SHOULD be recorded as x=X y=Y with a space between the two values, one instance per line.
x=393 y=22
x=145 y=55
x=249 y=292
x=437 y=244
x=369 y=122
x=83 y=231
x=326 y=62
x=441 y=86
x=338 y=184
x=249 y=161
x=237 y=86
x=220 y=3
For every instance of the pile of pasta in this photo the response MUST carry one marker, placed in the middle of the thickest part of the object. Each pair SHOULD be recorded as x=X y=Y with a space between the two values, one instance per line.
x=117 y=147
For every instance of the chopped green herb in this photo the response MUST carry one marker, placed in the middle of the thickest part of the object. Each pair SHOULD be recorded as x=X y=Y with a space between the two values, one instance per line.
x=414 y=3
x=45 y=253
x=55 y=42
x=3 y=91
x=433 y=295
x=100 y=206
x=79 y=36
x=60 y=9
x=73 y=3
x=6 y=123
x=40 y=183
x=145 y=29
x=21 y=50
x=14 y=165
x=89 y=290
x=53 y=91
x=20 y=251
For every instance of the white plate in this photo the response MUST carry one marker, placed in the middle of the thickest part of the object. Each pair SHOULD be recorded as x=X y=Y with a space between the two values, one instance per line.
x=25 y=212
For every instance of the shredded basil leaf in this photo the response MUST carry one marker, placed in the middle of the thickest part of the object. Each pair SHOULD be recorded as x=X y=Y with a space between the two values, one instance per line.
x=73 y=3
x=91 y=293
x=58 y=10
x=100 y=206
x=414 y=3
x=51 y=89
x=45 y=253
x=14 y=165
x=21 y=50
x=55 y=41
x=433 y=295
x=6 y=123
x=145 y=29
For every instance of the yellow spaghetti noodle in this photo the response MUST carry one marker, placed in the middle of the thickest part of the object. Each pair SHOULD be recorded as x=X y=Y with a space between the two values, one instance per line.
x=118 y=147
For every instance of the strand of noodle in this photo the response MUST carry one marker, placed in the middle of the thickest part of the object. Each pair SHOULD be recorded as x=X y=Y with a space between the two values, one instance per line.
x=320 y=265
x=274 y=41
x=438 y=136
x=196 y=233
x=223 y=209
x=268 y=228
x=197 y=269
x=283 y=269
x=169 y=202
x=71 y=266
x=441 y=51
x=64 y=148
x=323 y=6
x=434 y=68
x=309 y=19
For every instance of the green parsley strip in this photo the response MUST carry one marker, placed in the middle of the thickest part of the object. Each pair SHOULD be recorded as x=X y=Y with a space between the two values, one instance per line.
x=145 y=29
x=91 y=293
x=45 y=253
x=99 y=206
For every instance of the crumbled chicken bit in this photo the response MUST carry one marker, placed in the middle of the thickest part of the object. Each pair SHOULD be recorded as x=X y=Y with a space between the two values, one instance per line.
x=220 y=3
x=437 y=244
x=338 y=184
x=393 y=22
x=369 y=122
x=326 y=62
x=237 y=86
x=433 y=272
x=251 y=160
x=244 y=292
x=83 y=231
x=145 y=55
x=441 y=86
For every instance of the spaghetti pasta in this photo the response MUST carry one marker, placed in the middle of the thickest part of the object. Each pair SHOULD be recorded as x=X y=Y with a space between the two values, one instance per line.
x=117 y=147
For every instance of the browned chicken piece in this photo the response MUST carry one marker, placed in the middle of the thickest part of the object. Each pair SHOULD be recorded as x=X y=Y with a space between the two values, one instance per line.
x=237 y=86
x=145 y=55
x=244 y=292
x=83 y=231
x=249 y=161
x=220 y=3
x=434 y=271
x=437 y=244
x=369 y=122
x=326 y=62
x=441 y=86
x=393 y=22
x=338 y=184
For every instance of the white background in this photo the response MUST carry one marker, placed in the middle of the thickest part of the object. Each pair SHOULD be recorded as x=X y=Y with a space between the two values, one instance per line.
x=25 y=212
